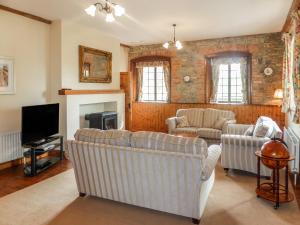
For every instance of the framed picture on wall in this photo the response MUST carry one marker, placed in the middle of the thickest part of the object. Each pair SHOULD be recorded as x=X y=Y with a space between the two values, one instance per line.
x=7 y=79
x=95 y=65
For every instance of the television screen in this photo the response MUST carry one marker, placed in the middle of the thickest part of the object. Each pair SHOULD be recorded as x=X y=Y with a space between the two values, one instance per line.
x=39 y=122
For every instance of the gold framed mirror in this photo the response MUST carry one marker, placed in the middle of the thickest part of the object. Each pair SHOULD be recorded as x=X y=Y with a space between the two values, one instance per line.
x=95 y=66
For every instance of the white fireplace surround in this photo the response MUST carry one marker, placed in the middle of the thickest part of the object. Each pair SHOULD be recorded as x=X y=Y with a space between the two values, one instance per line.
x=74 y=104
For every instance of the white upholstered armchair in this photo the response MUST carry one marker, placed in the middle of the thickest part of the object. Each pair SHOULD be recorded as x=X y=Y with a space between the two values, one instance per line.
x=238 y=149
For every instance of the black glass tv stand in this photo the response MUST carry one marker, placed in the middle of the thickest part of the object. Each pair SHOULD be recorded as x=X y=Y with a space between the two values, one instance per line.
x=35 y=160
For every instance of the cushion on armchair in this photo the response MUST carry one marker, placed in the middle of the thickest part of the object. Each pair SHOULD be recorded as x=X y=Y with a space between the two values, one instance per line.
x=182 y=121
x=212 y=115
x=219 y=123
x=249 y=131
x=266 y=127
x=194 y=116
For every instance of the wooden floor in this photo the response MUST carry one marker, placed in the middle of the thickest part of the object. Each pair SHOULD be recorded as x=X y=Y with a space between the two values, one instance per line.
x=13 y=179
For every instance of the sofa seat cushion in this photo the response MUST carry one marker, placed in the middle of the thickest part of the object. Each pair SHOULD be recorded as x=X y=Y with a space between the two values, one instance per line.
x=194 y=116
x=189 y=130
x=212 y=115
x=209 y=133
x=167 y=142
x=109 y=137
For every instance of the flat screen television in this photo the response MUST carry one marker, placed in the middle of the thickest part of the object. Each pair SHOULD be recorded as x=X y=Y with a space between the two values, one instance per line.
x=39 y=122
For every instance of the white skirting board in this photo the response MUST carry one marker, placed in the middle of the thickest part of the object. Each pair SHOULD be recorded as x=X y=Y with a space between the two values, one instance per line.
x=10 y=146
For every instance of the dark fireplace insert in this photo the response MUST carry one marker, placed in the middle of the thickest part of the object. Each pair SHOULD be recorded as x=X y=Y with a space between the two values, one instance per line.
x=103 y=120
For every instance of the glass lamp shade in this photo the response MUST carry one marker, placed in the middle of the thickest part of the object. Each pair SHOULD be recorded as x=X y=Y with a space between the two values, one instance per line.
x=91 y=10
x=178 y=45
x=109 y=18
x=119 y=10
x=278 y=94
x=166 y=45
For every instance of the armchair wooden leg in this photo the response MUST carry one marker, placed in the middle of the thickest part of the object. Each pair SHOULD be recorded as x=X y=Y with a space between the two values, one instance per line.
x=82 y=194
x=196 y=221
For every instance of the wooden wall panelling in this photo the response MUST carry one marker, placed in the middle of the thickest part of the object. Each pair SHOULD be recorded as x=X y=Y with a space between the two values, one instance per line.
x=28 y=15
x=124 y=84
x=152 y=116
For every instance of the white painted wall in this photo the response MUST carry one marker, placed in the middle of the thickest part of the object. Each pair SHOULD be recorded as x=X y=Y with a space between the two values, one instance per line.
x=27 y=41
x=74 y=35
x=124 y=51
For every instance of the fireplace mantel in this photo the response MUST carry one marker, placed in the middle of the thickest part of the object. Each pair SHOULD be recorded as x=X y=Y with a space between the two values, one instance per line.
x=88 y=92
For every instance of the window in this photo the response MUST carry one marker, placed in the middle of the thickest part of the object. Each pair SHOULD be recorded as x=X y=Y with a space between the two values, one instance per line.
x=230 y=84
x=229 y=80
x=153 y=85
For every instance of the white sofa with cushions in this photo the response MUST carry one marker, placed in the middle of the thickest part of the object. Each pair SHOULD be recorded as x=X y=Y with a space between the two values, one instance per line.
x=208 y=123
x=152 y=170
x=242 y=141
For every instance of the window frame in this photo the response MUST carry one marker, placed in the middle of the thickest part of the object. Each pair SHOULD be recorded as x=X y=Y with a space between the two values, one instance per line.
x=155 y=89
x=134 y=76
x=208 y=77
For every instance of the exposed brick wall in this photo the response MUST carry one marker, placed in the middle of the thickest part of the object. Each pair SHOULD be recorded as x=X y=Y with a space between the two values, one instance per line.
x=191 y=61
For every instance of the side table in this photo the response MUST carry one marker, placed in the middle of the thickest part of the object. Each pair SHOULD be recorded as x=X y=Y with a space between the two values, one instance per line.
x=274 y=191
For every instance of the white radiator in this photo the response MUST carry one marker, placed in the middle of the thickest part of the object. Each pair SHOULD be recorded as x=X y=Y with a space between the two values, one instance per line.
x=10 y=146
x=293 y=142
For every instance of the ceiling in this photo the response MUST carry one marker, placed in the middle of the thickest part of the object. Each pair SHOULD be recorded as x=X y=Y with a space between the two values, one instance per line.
x=148 y=21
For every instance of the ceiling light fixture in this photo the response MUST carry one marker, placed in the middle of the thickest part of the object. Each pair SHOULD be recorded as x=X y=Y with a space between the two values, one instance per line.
x=174 y=42
x=111 y=9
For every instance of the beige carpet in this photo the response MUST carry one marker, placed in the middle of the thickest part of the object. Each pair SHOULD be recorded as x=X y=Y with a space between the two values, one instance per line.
x=55 y=201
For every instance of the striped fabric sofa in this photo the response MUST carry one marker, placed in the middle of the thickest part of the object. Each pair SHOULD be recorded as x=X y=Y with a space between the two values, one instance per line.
x=202 y=123
x=238 y=150
x=148 y=169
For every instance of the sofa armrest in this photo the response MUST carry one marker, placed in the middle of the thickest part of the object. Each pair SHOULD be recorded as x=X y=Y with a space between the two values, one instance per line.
x=238 y=129
x=242 y=141
x=226 y=124
x=214 y=152
x=171 y=123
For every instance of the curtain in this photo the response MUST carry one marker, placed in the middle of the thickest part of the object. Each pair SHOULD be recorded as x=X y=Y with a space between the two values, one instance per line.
x=244 y=76
x=289 y=69
x=140 y=83
x=166 y=69
x=167 y=80
x=216 y=62
x=296 y=64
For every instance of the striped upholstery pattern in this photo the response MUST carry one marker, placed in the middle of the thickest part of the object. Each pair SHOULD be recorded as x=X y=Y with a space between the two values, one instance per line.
x=201 y=122
x=167 y=142
x=189 y=130
x=111 y=137
x=211 y=161
x=194 y=116
x=212 y=115
x=160 y=180
x=238 y=150
x=238 y=129
x=209 y=133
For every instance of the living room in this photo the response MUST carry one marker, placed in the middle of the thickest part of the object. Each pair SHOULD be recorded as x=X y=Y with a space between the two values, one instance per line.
x=190 y=97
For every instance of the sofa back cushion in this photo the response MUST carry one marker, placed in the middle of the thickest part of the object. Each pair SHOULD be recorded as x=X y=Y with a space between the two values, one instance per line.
x=212 y=115
x=266 y=127
x=109 y=137
x=167 y=142
x=194 y=116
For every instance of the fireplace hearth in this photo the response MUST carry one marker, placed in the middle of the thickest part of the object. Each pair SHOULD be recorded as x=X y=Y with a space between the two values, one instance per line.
x=103 y=120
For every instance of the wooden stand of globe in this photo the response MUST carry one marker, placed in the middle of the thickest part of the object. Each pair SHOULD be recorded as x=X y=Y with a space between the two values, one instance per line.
x=274 y=191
